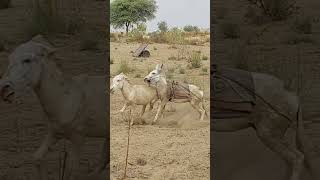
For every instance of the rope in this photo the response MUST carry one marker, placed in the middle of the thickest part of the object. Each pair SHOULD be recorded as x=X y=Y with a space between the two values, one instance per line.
x=128 y=144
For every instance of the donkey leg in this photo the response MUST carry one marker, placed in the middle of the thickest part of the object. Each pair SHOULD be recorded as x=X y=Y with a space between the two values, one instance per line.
x=289 y=153
x=73 y=161
x=196 y=105
x=41 y=164
x=142 y=112
x=124 y=107
x=159 y=112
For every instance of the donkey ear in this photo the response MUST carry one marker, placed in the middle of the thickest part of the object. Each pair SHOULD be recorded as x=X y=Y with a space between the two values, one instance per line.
x=43 y=42
x=158 y=67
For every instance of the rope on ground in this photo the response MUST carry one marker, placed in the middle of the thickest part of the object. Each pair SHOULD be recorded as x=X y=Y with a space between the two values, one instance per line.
x=128 y=142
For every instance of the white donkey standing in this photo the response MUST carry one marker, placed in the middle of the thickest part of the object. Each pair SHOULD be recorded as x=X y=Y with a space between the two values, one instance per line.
x=134 y=94
x=74 y=109
x=191 y=93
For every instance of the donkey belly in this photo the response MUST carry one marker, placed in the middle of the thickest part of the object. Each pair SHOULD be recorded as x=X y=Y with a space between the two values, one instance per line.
x=96 y=113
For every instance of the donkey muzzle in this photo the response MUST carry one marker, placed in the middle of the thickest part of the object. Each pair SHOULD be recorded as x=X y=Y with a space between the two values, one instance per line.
x=147 y=80
x=7 y=93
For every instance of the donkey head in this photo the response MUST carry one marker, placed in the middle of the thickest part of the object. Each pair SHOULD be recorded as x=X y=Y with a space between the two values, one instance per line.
x=154 y=76
x=25 y=67
x=117 y=82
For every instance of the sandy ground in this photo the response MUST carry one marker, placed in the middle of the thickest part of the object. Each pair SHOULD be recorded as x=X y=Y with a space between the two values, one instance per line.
x=177 y=147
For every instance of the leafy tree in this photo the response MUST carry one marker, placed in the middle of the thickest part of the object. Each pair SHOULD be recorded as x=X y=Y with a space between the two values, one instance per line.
x=190 y=28
x=125 y=13
x=162 y=26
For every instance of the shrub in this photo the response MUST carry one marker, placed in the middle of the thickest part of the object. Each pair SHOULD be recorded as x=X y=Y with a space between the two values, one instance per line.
x=230 y=30
x=137 y=33
x=204 y=69
x=171 y=70
x=137 y=76
x=114 y=37
x=157 y=37
x=162 y=26
x=172 y=58
x=190 y=28
x=174 y=36
x=154 y=48
x=169 y=75
x=204 y=57
x=124 y=68
x=182 y=71
x=195 y=60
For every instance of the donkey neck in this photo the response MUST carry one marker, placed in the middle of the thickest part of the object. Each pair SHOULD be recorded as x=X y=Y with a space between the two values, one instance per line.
x=161 y=87
x=52 y=87
x=126 y=89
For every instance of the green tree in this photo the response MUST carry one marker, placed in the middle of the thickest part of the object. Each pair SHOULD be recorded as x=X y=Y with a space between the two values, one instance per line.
x=190 y=28
x=125 y=13
x=162 y=26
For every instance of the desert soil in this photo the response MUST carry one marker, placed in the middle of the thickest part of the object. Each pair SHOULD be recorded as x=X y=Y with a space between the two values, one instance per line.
x=177 y=147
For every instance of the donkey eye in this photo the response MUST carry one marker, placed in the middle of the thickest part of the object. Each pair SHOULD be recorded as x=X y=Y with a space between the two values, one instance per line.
x=26 y=61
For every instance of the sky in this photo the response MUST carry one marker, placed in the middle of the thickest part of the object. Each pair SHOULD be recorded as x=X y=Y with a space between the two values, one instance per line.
x=178 y=13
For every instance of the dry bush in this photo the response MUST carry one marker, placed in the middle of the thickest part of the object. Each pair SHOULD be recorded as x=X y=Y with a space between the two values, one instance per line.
x=114 y=37
x=124 y=68
x=204 y=57
x=182 y=70
x=171 y=58
x=195 y=59
x=183 y=53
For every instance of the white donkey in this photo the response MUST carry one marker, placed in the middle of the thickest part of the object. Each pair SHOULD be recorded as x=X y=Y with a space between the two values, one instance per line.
x=74 y=109
x=191 y=93
x=134 y=94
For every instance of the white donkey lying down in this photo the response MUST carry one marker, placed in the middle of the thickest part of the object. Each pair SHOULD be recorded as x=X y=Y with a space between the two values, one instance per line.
x=134 y=94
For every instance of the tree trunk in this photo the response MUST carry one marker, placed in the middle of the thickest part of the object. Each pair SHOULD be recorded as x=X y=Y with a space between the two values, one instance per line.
x=127 y=28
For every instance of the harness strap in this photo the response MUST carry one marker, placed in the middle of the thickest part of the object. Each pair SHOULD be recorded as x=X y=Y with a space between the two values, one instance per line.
x=260 y=97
